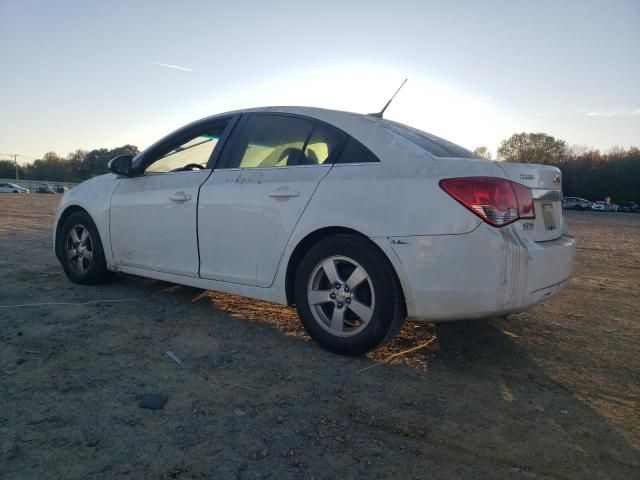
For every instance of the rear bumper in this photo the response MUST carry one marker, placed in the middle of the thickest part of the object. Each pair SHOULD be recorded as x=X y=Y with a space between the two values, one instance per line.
x=487 y=272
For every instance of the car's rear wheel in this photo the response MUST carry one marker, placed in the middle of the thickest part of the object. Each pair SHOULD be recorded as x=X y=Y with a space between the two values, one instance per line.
x=347 y=295
x=80 y=250
x=578 y=207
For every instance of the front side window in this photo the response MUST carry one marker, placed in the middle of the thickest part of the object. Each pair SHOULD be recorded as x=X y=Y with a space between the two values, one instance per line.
x=192 y=154
x=270 y=141
x=189 y=149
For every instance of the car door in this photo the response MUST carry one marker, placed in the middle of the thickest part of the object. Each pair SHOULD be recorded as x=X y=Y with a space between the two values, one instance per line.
x=252 y=201
x=153 y=214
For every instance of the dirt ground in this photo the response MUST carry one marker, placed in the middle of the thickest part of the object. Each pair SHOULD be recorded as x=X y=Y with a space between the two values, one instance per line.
x=550 y=393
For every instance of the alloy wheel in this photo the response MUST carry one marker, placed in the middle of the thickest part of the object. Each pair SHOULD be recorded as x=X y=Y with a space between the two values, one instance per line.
x=341 y=296
x=79 y=249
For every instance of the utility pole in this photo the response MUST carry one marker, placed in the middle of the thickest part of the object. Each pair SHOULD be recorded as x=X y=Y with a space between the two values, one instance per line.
x=15 y=159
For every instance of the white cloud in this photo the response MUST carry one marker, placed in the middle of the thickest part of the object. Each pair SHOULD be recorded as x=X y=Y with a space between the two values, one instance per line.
x=168 y=65
x=614 y=113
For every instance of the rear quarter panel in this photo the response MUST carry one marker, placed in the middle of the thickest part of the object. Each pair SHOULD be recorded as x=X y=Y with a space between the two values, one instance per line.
x=400 y=199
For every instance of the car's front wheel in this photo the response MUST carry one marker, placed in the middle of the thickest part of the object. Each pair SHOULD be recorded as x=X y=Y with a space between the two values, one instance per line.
x=347 y=295
x=80 y=250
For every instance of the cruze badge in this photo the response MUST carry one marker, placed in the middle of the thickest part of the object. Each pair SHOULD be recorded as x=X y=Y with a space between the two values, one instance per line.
x=527 y=177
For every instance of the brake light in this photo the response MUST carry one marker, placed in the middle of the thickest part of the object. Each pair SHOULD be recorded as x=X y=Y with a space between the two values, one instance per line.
x=524 y=199
x=497 y=201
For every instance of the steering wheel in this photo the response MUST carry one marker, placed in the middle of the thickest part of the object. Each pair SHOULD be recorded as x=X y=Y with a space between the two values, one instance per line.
x=189 y=166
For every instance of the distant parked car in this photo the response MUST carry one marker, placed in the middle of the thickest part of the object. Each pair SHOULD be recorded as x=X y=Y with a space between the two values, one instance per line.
x=12 y=188
x=613 y=207
x=44 y=189
x=629 y=207
x=576 y=203
x=599 y=206
x=61 y=188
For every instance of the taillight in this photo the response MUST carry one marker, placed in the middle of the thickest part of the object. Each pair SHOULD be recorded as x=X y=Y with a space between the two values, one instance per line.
x=497 y=201
x=524 y=199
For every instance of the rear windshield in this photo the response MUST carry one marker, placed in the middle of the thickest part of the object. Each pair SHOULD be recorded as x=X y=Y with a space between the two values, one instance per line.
x=436 y=146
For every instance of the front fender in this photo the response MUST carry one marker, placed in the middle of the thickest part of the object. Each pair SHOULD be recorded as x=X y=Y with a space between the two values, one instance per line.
x=93 y=196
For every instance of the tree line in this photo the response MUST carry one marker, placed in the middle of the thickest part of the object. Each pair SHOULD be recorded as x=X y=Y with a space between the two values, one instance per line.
x=75 y=167
x=586 y=172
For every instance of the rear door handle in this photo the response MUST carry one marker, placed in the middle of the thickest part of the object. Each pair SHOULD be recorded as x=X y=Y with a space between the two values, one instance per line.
x=284 y=193
x=180 y=197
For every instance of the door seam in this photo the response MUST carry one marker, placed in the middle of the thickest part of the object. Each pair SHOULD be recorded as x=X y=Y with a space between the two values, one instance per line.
x=198 y=219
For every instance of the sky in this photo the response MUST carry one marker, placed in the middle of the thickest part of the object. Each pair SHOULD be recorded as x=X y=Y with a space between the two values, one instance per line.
x=90 y=74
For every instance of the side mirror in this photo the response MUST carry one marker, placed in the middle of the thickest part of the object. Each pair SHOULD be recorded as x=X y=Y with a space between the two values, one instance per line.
x=121 y=165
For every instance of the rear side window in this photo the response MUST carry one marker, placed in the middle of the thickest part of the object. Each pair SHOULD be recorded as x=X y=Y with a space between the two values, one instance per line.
x=322 y=146
x=436 y=146
x=355 y=152
x=270 y=141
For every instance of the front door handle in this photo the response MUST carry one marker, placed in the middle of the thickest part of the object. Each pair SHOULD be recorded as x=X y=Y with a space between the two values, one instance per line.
x=284 y=193
x=180 y=197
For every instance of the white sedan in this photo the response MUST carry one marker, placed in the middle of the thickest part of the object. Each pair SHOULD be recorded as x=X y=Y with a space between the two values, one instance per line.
x=604 y=206
x=12 y=188
x=359 y=221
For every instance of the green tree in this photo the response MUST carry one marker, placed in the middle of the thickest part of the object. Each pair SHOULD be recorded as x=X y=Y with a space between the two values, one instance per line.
x=533 y=148
x=51 y=167
x=76 y=167
x=7 y=169
x=95 y=162
x=76 y=170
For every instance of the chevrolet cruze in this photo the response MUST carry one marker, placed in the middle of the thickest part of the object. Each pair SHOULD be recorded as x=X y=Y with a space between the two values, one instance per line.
x=358 y=221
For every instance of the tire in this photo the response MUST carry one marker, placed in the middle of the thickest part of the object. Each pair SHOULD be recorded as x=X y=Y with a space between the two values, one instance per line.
x=367 y=314
x=81 y=254
x=578 y=208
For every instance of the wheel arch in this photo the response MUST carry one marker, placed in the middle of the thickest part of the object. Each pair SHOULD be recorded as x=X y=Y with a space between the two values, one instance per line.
x=68 y=211
x=314 y=237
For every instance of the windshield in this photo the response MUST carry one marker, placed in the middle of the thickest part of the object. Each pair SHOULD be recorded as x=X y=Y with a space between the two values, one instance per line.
x=436 y=146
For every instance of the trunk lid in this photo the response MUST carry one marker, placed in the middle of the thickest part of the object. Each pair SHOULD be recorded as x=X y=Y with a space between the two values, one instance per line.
x=545 y=182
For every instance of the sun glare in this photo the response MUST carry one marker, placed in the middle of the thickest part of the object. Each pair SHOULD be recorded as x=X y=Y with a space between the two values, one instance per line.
x=433 y=105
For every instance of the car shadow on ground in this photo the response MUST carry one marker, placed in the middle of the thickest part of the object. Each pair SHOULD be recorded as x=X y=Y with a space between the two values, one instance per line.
x=468 y=386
